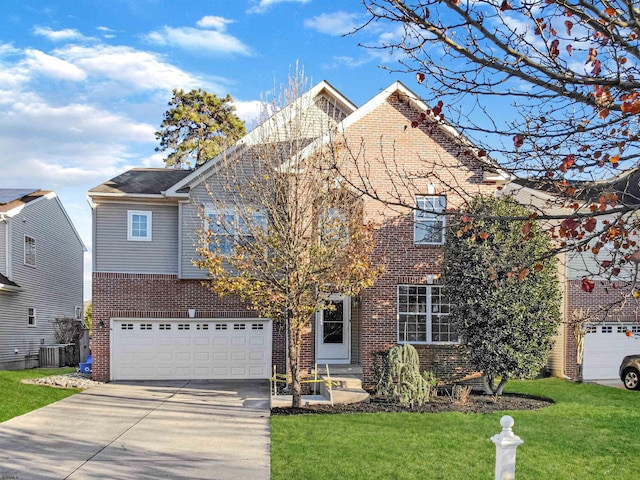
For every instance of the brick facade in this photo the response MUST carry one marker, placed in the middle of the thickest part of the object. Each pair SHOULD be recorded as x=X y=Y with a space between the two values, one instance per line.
x=446 y=171
x=126 y=295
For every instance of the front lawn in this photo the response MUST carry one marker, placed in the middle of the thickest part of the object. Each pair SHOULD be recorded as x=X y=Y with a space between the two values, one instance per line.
x=18 y=398
x=590 y=433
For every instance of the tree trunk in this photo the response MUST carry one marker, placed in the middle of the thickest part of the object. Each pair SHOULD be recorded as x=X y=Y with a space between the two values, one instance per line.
x=295 y=339
x=503 y=382
x=488 y=385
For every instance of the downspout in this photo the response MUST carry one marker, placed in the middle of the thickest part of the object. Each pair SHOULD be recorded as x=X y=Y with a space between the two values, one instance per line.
x=7 y=246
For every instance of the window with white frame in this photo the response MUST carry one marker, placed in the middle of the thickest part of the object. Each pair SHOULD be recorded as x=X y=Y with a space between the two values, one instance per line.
x=29 y=251
x=333 y=226
x=228 y=228
x=31 y=317
x=78 y=313
x=139 y=225
x=428 y=221
x=423 y=315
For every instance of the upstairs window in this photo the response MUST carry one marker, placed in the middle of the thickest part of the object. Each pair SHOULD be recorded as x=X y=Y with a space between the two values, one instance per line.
x=31 y=317
x=29 y=251
x=428 y=222
x=228 y=228
x=334 y=227
x=139 y=226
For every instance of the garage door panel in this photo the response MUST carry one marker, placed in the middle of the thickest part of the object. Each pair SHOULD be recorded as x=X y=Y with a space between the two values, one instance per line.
x=175 y=349
x=605 y=348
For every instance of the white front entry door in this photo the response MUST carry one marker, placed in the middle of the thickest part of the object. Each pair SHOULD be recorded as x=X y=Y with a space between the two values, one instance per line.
x=333 y=328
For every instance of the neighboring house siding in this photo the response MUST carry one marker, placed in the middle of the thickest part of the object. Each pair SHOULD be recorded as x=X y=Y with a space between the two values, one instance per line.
x=53 y=287
x=114 y=253
x=3 y=247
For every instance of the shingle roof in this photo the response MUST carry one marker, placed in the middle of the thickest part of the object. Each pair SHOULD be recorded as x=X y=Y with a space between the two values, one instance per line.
x=11 y=198
x=142 y=181
x=4 y=281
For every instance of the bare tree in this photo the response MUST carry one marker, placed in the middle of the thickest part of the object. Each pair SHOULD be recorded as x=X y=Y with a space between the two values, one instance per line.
x=284 y=233
x=544 y=90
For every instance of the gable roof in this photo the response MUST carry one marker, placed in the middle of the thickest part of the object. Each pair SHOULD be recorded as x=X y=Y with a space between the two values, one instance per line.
x=258 y=134
x=8 y=285
x=13 y=207
x=140 y=181
x=493 y=172
x=12 y=198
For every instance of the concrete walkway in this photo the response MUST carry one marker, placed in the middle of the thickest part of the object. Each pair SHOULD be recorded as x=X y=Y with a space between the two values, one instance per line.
x=146 y=430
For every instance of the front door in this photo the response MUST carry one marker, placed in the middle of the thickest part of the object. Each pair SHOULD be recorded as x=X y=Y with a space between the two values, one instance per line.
x=333 y=329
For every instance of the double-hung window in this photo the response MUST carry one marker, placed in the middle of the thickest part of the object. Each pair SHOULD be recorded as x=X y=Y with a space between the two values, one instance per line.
x=29 y=251
x=228 y=228
x=428 y=222
x=31 y=317
x=139 y=225
x=423 y=315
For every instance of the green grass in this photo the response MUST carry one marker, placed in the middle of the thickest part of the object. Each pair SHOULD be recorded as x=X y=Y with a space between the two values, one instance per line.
x=18 y=398
x=592 y=432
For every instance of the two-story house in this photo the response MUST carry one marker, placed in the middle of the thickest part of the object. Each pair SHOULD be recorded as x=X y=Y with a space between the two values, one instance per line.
x=153 y=318
x=41 y=273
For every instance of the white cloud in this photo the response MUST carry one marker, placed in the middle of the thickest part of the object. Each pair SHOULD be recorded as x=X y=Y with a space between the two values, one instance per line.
x=263 y=5
x=59 y=35
x=137 y=69
x=337 y=23
x=249 y=112
x=53 y=67
x=208 y=41
x=215 y=22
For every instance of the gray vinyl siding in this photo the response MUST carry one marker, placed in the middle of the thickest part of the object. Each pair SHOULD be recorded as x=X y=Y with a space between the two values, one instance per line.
x=3 y=248
x=53 y=287
x=321 y=115
x=114 y=253
x=192 y=223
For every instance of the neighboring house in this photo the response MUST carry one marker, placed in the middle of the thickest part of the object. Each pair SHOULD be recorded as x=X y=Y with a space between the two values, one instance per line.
x=41 y=273
x=153 y=318
x=606 y=341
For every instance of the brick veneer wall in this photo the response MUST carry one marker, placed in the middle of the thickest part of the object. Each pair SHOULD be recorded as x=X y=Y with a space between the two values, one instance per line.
x=601 y=304
x=389 y=140
x=125 y=295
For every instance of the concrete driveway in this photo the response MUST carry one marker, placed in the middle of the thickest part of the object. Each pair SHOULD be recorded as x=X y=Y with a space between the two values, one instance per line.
x=144 y=430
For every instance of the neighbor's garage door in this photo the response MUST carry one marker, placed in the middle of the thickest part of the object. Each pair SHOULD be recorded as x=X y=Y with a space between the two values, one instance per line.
x=183 y=349
x=604 y=348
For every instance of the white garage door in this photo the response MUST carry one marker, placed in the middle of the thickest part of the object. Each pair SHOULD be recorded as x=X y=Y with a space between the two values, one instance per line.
x=604 y=348
x=143 y=349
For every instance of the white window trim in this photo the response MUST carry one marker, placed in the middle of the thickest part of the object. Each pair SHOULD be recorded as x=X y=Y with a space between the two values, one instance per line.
x=235 y=234
x=78 y=313
x=417 y=220
x=428 y=314
x=35 y=318
x=35 y=250
x=130 y=214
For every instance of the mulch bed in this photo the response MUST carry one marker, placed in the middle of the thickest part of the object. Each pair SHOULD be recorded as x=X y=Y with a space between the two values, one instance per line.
x=442 y=403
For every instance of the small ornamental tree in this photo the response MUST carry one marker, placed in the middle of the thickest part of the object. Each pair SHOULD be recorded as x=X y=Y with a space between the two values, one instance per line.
x=197 y=127
x=506 y=315
x=287 y=234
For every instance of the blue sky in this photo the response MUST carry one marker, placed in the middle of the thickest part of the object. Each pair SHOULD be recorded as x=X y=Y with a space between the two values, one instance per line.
x=84 y=83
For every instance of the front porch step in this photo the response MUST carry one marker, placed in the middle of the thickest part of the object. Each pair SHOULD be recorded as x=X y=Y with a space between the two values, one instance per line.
x=340 y=369
x=344 y=389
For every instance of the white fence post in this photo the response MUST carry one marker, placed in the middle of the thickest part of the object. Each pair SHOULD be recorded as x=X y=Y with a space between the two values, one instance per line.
x=506 y=444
